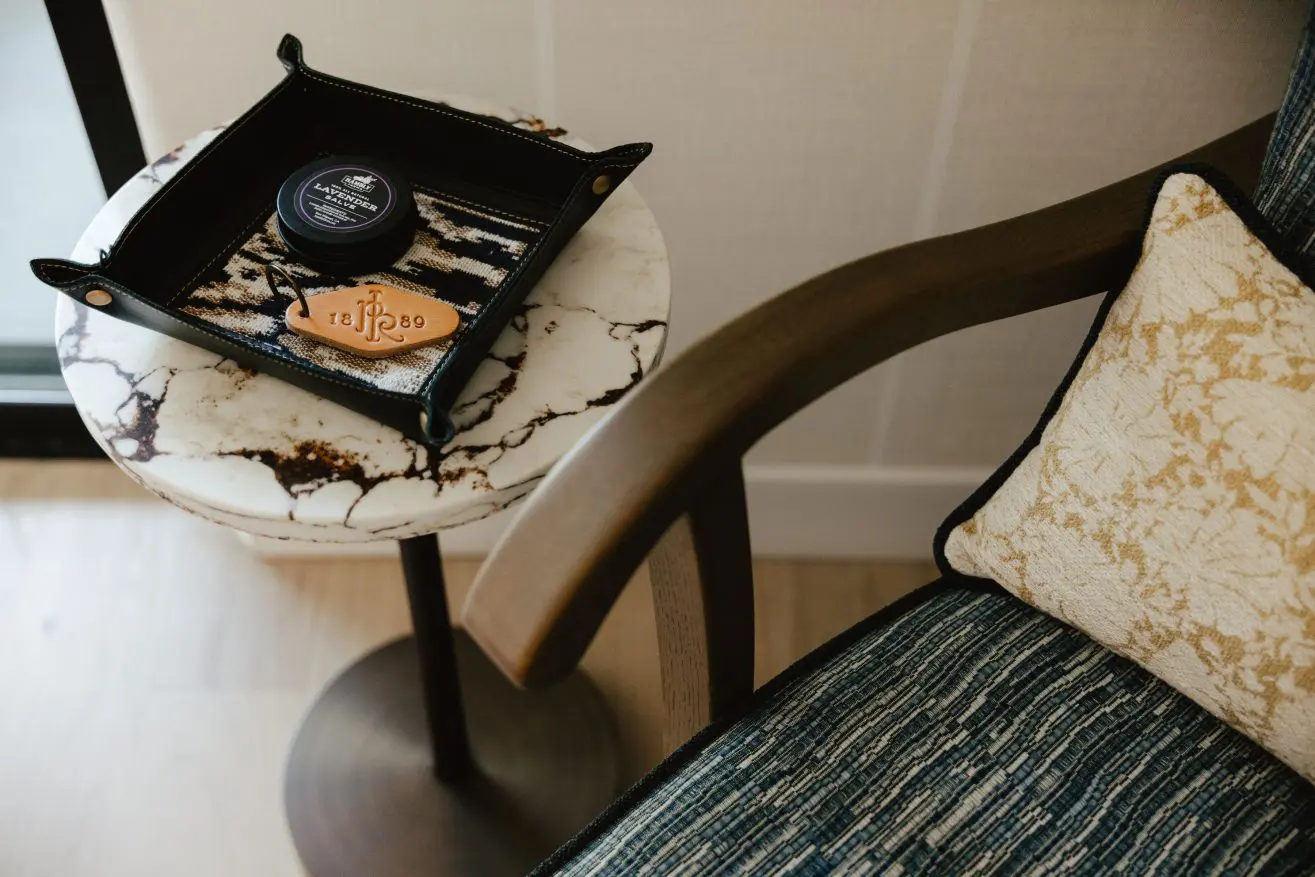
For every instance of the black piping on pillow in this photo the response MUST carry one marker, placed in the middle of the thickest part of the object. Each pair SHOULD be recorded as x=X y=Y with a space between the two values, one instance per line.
x=1256 y=223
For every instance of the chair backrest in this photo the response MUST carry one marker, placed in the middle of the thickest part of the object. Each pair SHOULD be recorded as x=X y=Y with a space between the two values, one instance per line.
x=662 y=472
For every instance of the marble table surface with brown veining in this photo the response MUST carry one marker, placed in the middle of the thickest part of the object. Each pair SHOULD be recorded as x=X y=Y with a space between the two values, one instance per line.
x=249 y=451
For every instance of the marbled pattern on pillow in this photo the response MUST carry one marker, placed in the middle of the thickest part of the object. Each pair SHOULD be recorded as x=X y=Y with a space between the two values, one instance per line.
x=1169 y=510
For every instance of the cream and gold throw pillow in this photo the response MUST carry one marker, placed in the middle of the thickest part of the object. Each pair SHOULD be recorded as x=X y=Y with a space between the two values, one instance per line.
x=1166 y=503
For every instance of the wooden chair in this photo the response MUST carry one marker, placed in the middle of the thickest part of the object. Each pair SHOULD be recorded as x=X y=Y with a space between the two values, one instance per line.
x=661 y=476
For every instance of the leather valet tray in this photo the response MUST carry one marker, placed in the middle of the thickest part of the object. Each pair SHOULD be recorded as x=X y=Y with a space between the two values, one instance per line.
x=495 y=205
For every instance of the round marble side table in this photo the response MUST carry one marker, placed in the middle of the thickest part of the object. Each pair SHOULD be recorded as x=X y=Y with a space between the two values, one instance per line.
x=420 y=758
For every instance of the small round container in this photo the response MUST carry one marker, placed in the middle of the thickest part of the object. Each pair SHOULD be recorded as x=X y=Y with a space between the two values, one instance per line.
x=347 y=214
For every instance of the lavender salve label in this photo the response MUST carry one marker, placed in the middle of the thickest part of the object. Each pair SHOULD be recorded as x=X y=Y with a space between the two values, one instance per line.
x=347 y=214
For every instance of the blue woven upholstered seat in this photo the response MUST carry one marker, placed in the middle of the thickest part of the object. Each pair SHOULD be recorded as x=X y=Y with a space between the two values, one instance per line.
x=966 y=733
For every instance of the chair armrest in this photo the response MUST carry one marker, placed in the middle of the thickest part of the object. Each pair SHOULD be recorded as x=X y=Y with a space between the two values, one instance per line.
x=540 y=597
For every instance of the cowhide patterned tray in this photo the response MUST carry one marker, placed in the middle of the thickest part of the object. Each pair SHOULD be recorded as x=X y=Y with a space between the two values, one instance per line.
x=496 y=204
x=463 y=255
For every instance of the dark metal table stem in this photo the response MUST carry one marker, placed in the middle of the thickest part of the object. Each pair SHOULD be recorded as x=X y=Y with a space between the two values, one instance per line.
x=426 y=591
x=401 y=770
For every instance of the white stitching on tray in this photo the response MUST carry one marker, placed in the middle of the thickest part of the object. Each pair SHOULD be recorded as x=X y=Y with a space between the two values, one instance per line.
x=50 y=280
x=435 y=193
x=442 y=364
x=228 y=249
x=196 y=161
x=446 y=112
x=517 y=132
x=273 y=354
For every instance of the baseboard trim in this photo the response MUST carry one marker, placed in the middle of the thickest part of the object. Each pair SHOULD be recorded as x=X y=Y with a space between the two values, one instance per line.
x=795 y=510
x=859 y=512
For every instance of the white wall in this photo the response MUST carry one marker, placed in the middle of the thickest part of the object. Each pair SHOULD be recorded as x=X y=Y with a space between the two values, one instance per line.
x=792 y=136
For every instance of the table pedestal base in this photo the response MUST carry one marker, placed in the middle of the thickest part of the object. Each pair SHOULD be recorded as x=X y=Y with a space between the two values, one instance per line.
x=362 y=797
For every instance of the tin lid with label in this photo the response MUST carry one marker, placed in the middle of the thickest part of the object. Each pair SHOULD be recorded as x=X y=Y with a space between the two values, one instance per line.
x=347 y=214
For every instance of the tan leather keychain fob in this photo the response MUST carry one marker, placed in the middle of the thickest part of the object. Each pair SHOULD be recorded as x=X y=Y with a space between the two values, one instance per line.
x=373 y=320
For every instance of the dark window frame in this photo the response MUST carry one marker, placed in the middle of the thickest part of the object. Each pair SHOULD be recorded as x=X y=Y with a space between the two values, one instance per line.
x=37 y=416
x=87 y=47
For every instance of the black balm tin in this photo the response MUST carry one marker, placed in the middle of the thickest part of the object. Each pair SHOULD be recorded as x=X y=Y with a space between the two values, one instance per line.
x=347 y=215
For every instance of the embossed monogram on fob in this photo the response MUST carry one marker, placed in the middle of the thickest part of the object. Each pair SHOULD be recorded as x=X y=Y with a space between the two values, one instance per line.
x=373 y=320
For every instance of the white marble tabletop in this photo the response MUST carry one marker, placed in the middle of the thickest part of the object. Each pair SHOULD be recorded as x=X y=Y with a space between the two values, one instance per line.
x=249 y=451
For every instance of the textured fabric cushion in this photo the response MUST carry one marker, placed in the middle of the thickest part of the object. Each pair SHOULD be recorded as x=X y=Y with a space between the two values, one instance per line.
x=963 y=731
x=1167 y=507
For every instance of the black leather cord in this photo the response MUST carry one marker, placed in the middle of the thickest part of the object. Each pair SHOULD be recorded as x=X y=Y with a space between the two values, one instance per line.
x=296 y=288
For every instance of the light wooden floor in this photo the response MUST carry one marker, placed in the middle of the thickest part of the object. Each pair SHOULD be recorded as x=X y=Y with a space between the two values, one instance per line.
x=153 y=672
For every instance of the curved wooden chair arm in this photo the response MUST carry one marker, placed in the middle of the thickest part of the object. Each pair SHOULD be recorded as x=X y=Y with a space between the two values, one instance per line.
x=672 y=449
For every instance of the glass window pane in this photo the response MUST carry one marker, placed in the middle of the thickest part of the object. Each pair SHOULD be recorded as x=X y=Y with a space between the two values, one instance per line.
x=51 y=185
